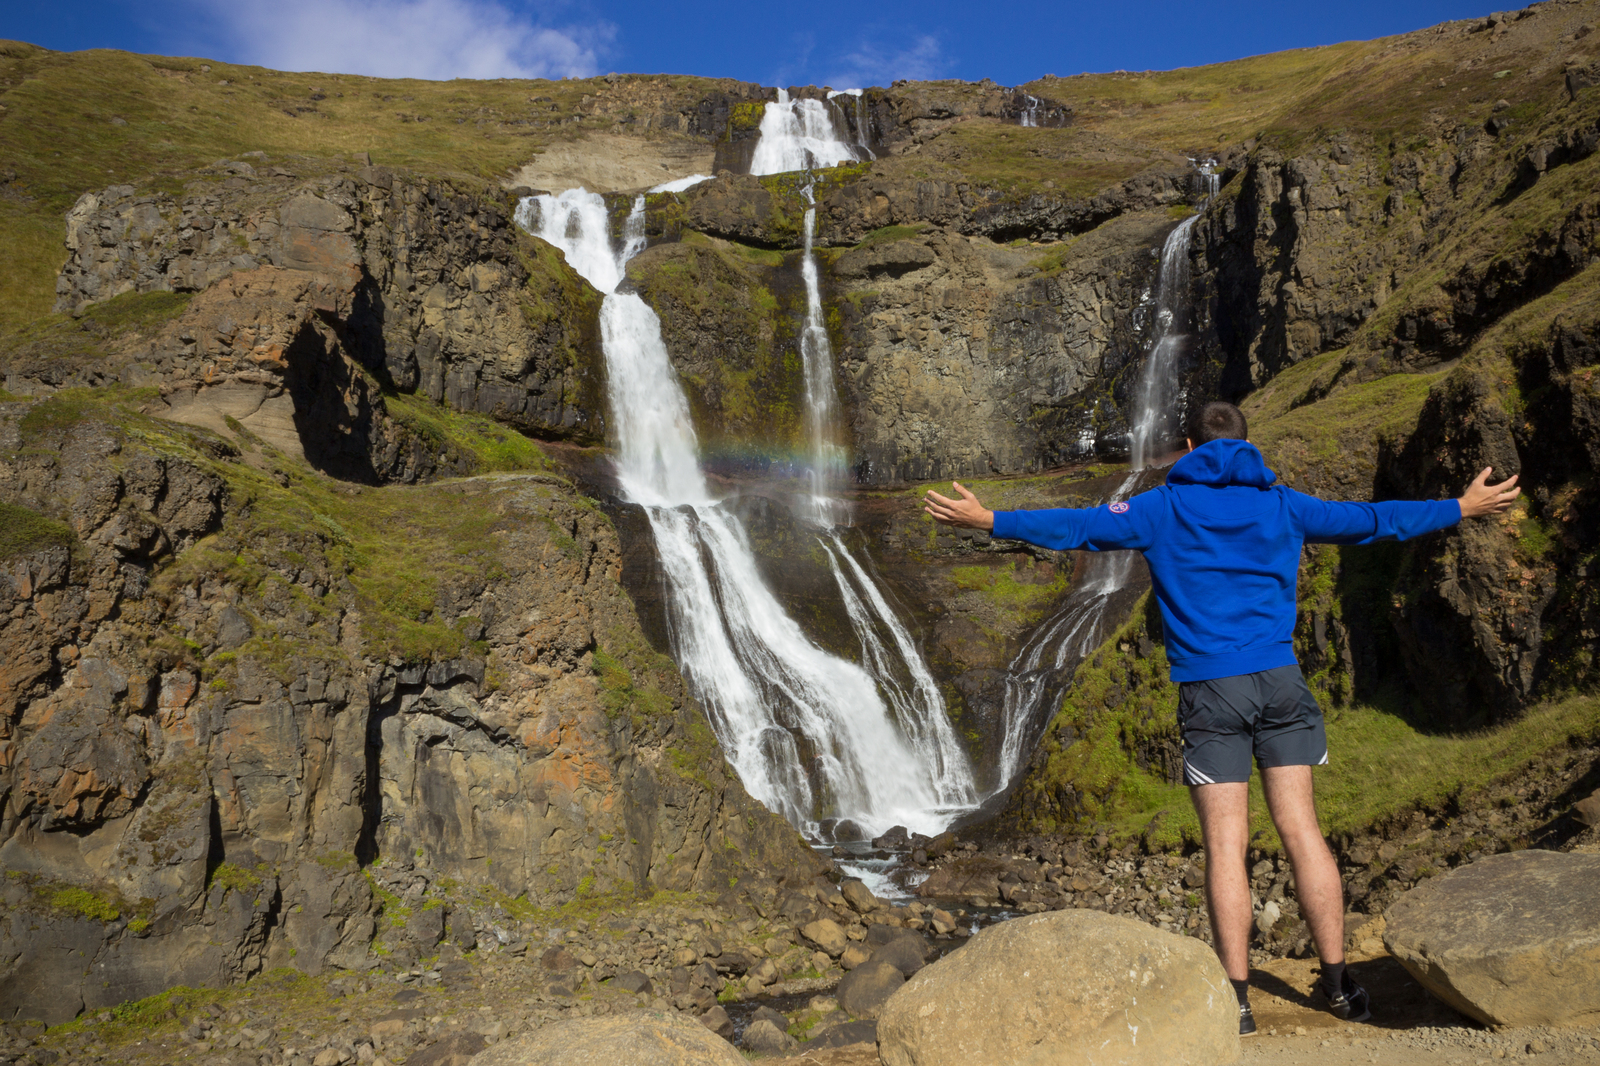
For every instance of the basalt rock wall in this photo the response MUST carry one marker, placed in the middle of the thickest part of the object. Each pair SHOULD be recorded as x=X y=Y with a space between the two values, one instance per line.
x=442 y=293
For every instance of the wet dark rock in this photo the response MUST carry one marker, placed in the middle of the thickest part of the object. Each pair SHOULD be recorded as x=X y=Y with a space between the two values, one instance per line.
x=846 y=1033
x=765 y=1038
x=457 y=1049
x=908 y=954
x=898 y=837
x=864 y=990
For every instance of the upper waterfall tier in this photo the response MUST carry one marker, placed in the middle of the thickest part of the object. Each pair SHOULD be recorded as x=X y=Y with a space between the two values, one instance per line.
x=798 y=135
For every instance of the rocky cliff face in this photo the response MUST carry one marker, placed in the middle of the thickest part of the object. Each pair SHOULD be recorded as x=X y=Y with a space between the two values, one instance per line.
x=234 y=684
x=427 y=286
x=219 y=713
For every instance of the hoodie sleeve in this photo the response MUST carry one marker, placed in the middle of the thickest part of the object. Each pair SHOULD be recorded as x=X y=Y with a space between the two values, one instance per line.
x=1113 y=526
x=1327 y=522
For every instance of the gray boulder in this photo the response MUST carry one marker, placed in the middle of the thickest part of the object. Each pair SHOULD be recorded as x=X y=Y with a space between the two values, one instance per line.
x=1512 y=939
x=637 y=1038
x=866 y=988
x=906 y=954
x=1065 y=987
x=765 y=1038
x=716 y=1019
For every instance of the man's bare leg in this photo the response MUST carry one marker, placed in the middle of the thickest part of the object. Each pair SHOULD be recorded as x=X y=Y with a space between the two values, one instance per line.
x=1224 y=811
x=1316 y=874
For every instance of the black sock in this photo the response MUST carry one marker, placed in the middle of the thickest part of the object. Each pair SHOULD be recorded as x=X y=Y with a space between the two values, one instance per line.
x=1332 y=979
x=1242 y=990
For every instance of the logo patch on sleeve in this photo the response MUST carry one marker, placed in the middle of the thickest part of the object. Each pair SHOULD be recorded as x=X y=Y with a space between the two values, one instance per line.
x=1119 y=508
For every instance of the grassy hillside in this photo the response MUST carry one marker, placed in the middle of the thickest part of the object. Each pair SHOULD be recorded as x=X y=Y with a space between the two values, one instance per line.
x=1392 y=87
x=83 y=120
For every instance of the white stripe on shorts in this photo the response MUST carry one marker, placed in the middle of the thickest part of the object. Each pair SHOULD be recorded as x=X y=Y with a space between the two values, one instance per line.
x=1195 y=777
x=1324 y=760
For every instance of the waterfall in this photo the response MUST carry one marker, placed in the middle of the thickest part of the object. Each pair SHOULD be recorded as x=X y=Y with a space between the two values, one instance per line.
x=827 y=457
x=919 y=708
x=1040 y=670
x=1065 y=640
x=811 y=735
x=1157 y=398
x=798 y=135
x=862 y=137
x=1030 y=113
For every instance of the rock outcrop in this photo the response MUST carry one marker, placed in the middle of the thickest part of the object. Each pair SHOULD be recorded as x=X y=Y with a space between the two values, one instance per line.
x=1510 y=940
x=1072 y=986
x=428 y=284
x=225 y=713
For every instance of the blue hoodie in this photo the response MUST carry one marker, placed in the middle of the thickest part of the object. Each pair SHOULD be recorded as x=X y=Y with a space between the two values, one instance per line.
x=1223 y=543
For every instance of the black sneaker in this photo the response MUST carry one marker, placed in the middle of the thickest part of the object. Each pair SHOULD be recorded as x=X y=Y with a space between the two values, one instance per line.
x=1353 y=1004
x=1247 y=1021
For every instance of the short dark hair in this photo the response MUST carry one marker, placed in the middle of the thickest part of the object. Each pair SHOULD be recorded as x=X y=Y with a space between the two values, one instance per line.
x=1217 y=420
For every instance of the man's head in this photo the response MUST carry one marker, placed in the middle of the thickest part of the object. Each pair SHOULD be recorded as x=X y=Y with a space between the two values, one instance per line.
x=1217 y=421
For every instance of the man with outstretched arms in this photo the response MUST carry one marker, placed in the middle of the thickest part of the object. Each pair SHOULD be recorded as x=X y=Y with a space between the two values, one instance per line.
x=1223 y=542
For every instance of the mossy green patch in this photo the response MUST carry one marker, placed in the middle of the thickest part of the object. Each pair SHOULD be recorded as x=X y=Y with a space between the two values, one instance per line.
x=623 y=694
x=489 y=445
x=1021 y=601
x=81 y=901
x=22 y=531
x=1110 y=758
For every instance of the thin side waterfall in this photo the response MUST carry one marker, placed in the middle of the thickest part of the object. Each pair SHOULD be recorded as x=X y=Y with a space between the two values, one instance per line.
x=811 y=735
x=1030 y=113
x=828 y=459
x=862 y=137
x=798 y=135
x=1156 y=405
x=1054 y=650
x=1041 y=669
x=888 y=652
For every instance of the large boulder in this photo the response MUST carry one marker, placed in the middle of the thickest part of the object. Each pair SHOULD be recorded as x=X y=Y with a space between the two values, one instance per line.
x=1066 y=987
x=637 y=1038
x=1512 y=939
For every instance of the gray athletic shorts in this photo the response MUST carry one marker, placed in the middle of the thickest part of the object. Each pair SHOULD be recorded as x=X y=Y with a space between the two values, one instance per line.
x=1270 y=715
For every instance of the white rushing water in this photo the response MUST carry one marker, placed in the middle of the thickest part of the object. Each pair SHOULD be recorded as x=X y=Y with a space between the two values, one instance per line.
x=680 y=184
x=798 y=135
x=1157 y=399
x=1030 y=113
x=1056 y=647
x=811 y=735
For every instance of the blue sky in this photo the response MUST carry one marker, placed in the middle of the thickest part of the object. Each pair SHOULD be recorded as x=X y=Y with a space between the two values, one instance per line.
x=843 y=45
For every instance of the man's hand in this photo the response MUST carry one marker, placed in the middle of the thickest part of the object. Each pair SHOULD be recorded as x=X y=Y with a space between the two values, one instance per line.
x=966 y=511
x=1482 y=498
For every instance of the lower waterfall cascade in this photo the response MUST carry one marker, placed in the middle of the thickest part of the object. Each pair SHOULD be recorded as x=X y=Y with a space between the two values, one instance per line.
x=838 y=749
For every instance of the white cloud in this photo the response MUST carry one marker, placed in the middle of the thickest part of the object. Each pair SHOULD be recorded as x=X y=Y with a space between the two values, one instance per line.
x=434 y=39
x=871 y=64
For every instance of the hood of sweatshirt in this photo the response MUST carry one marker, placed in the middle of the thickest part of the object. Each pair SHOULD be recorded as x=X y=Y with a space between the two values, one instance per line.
x=1223 y=464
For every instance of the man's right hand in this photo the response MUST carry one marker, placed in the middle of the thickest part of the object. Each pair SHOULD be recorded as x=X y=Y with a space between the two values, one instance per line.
x=966 y=511
x=1482 y=498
